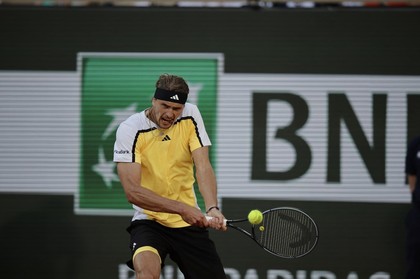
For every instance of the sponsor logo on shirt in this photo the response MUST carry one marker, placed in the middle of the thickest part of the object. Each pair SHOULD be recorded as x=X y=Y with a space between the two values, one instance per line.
x=121 y=152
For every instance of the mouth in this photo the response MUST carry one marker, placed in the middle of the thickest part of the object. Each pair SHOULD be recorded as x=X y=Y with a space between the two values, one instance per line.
x=166 y=122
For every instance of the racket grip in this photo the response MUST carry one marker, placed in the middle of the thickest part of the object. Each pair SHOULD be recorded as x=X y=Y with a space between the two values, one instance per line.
x=209 y=218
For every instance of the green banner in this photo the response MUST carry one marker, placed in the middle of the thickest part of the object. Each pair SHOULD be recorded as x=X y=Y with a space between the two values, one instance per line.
x=115 y=86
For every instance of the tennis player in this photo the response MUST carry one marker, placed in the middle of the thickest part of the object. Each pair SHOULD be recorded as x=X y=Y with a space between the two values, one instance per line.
x=156 y=151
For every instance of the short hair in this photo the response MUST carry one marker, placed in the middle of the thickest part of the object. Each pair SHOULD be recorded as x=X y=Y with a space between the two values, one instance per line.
x=172 y=83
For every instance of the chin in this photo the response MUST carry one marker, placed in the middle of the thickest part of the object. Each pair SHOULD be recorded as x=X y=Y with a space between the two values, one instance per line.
x=165 y=126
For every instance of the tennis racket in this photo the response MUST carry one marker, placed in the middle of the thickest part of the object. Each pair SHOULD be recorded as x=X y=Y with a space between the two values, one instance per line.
x=285 y=232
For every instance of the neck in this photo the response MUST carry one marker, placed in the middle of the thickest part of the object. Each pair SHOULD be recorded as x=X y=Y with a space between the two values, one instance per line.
x=150 y=115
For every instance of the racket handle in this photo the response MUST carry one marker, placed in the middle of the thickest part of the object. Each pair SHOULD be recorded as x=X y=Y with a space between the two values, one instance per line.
x=209 y=218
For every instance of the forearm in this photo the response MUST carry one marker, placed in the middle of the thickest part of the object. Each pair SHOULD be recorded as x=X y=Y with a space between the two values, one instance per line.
x=149 y=200
x=130 y=177
x=208 y=186
x=412 y=182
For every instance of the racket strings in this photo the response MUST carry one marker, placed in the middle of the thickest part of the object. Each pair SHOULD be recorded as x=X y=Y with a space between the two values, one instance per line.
x=289 y=233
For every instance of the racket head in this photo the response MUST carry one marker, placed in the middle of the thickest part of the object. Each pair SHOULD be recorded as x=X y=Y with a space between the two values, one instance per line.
x=287 y=232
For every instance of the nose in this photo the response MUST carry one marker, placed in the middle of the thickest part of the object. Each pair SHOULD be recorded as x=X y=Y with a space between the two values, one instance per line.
x=170 y=113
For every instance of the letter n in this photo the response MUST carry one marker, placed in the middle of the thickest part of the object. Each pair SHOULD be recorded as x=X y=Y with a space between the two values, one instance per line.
x=340 y=110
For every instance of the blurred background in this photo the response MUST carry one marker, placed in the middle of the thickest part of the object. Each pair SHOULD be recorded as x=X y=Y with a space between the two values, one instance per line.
x=308 y=104
x=214 y=3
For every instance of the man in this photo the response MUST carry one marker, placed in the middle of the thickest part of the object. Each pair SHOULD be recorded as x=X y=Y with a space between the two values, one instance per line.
x=412 y=169
x=156 y=151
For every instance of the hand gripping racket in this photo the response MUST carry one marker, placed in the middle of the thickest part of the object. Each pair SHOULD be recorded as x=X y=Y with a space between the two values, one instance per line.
x=285 y=232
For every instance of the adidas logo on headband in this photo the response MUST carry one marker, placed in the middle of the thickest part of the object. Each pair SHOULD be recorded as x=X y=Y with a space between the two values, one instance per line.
x=175 y=97
x=171 y=96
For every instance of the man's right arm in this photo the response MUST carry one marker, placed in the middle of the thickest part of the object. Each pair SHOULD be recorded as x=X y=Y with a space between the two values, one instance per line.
x=130 y=177
x=412 y=179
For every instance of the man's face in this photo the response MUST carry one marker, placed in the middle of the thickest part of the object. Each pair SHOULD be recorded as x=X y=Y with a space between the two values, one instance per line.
x=166 y=112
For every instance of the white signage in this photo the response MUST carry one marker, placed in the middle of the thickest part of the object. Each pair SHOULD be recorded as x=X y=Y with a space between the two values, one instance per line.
x=313 y=137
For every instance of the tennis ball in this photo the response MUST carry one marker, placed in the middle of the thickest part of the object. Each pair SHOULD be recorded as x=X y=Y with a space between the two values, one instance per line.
x=262 y=228
x=255 y=217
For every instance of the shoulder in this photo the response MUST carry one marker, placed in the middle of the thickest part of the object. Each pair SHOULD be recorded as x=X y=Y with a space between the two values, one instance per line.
x=190 y=110
x=133 y=124
x=131 y=120
x=135 y=121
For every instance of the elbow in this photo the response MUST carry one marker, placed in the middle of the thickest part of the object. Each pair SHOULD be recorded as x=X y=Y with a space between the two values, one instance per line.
x=131 y=197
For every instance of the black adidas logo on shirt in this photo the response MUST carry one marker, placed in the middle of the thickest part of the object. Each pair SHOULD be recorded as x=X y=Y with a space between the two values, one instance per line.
x=166 y=138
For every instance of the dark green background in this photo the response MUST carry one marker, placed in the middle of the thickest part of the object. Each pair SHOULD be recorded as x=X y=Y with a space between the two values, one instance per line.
x=110 y=83
x=41 y=236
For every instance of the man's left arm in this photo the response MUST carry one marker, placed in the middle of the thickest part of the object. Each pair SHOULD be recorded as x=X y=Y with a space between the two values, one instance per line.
x=207 y=182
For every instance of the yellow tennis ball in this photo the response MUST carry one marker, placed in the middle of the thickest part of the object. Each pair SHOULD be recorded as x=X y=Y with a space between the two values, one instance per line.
x=255 y=217
x=262 y=228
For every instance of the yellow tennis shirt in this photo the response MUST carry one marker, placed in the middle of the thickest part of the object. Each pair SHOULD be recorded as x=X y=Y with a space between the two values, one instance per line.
x=165 y=158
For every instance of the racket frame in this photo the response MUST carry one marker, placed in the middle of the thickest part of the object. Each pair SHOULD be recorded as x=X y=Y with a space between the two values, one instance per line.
x=251 y=234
